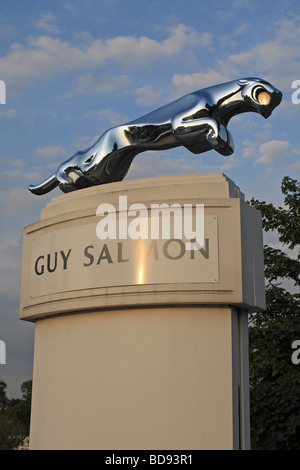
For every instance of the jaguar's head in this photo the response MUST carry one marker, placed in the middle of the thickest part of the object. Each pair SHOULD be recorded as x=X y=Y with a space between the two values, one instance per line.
x=259 y=95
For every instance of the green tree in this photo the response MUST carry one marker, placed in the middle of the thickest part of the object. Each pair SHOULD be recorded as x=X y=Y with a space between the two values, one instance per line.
x=14 y=416
x=274 y=378
x=3 y=398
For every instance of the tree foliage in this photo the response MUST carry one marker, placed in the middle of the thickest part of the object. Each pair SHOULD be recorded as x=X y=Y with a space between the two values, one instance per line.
x=274 y=378
x=14 y=416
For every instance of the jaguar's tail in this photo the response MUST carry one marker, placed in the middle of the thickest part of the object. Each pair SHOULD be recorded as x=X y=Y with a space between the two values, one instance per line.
x=45 y=186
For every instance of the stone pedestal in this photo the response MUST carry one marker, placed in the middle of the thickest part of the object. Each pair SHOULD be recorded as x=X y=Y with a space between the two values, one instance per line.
x=142 y=343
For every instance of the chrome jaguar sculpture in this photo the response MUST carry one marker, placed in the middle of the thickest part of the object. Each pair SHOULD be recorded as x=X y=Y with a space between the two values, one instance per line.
x=198 y=121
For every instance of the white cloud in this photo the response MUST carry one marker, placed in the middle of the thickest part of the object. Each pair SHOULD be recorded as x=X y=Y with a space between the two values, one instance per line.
x=241 y=29
x=291 y=111
x=276 y=60
x=179 y=161
x=7 y=113
x=248 y=151
x=19 y=176
x=229 y=162
x=46 y=22
x=107 y=116
x=186 y=83
x=295 y=168
x=148 y=94
x=18 y=208
x=143 y=49
x=17 y=163
x=162 y=163
x=50 y=151
x=87 y=83
x=272 y=149
x=43 y=56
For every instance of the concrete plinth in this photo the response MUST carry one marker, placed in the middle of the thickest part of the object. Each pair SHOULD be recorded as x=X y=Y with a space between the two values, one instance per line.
x=142 y=344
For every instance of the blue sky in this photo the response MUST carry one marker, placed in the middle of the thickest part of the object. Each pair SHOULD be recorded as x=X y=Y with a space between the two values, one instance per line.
x=73 y=69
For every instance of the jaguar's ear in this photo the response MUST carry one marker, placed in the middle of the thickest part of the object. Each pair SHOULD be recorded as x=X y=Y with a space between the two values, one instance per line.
x=246 y=92
x=243 y=81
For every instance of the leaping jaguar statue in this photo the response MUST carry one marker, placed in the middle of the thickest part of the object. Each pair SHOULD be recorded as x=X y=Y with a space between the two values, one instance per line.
x=198 y=121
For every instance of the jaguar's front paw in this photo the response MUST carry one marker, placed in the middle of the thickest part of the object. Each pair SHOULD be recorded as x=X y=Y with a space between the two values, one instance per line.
x=213 y=132
x=223 y=143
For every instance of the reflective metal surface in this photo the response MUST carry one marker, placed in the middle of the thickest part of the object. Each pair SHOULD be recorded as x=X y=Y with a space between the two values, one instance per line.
x=197 y=121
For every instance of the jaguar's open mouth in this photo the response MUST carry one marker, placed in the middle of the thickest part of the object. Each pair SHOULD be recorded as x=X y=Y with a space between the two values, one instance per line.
x=273 y=103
